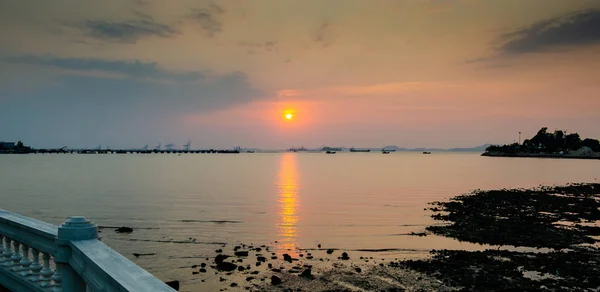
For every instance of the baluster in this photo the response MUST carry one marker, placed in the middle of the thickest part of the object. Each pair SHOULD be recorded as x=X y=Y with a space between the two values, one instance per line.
x=16 y=257
x=2 y=248
x=7 y=252
x=46 y=272
x=57 y=277
x=25 y=262
x=35 y=266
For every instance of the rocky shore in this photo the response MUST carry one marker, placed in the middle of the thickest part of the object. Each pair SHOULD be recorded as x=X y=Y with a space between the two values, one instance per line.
x=541 y=239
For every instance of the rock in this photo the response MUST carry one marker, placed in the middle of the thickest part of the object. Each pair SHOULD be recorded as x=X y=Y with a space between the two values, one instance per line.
x=358 y=270
x=203 y=265
x=287 y=257
x=143 y=254
x=276 y=270
x=254 y=273
x=258 y=249
x=306 y=273
x=270 y=266
x=220 y=258
x=319 y=245
x=240 y=260
x=128 y=230
x=195 y=273
x=261 y=259
x=194 y=266
x=236 y=247
x=219 y=250
x=274 y=280
x=309 y=257
x=202 y=270
x=241 y=269
x=274 y=257
x=241 y=253
x=345 y=256
x=329 y=251
x=173 y=284
x=221 y=279
x=301 y=255
x=227 y=267
x=248 y=279
x=233 y=285
x=258 y=264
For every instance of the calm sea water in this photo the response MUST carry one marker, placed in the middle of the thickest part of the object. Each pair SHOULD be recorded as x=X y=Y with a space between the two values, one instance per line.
x=184 y=207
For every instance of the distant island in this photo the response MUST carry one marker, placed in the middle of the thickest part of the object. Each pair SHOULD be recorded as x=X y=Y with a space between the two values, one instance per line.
x=549 y=145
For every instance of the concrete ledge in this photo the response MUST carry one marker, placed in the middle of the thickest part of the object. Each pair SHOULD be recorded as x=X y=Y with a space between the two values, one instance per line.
x=104 y=269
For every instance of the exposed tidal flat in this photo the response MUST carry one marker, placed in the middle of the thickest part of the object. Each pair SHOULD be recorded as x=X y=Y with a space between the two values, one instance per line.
x=184 y=211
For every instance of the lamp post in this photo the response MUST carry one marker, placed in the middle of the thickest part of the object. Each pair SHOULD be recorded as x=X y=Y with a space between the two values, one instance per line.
x=519 y=138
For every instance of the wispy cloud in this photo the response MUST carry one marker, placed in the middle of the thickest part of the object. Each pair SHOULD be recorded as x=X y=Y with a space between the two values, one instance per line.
x=209 y=19
x=135 y=69
x=575 y=29
x=124 y=31
x=323 y=35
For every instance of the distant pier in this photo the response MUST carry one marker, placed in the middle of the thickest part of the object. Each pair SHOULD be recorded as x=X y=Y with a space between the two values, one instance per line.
x=123 y=151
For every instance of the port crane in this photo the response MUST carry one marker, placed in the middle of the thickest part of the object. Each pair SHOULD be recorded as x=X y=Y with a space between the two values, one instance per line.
x=170 y=146
x=158 y=147
x=186 y=146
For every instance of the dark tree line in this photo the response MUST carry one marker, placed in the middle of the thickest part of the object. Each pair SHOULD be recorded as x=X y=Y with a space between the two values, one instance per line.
x=547 y=142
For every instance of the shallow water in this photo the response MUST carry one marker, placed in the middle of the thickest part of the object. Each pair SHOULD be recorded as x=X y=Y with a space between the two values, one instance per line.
x=184 y=207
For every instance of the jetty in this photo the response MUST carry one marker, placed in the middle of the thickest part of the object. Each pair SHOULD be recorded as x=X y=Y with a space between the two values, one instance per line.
x=40 y=257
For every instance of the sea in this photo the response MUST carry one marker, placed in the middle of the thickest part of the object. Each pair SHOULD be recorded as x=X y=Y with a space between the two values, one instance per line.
x=184 y=207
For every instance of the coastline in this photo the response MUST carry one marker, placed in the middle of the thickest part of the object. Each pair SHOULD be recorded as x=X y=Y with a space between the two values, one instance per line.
x=540 y=155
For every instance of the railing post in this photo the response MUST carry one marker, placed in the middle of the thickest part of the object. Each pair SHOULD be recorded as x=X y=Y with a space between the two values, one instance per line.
x=74 y=229
x=7 y=252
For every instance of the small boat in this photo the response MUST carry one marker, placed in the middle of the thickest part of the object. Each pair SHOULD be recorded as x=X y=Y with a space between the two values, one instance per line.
x=426 y=152
x=330 y=152
x=385 y=152
x=359 y=150
x=250 y=151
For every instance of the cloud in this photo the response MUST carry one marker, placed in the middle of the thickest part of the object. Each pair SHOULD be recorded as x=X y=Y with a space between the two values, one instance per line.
x=78 y=109
x=323 y=35
x=575 y=29
x=208 y=19
x=259 y=47
x=124 y=31
x=135 y=69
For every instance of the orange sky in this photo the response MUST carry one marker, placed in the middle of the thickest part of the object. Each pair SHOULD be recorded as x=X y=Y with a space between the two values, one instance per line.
x=437 y=73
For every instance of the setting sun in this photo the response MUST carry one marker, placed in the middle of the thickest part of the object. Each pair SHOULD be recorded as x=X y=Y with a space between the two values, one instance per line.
x=288 y=116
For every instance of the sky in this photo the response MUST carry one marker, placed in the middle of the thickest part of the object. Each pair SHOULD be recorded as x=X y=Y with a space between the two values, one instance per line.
x=354 y=73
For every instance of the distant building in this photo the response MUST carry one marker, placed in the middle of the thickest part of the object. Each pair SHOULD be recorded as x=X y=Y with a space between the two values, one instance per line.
x=7 y=145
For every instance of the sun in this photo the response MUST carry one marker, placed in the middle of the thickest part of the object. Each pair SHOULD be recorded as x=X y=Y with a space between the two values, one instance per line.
x=288 y=116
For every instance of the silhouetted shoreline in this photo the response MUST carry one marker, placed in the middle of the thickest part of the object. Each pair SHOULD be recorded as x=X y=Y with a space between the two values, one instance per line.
x=540 y=155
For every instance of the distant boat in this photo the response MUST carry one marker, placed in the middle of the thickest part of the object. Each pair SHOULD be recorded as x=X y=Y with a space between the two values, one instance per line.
x=426 y=152
x=327 y=148
x=385 y=152
x=359 y=150
x=330 y=152
x=297 y=149
x=250 y=151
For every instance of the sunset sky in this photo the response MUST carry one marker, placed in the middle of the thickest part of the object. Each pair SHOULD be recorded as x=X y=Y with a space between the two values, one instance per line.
x=412 y=73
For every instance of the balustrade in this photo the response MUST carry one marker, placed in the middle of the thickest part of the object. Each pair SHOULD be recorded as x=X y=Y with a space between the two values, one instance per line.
x=37 y=256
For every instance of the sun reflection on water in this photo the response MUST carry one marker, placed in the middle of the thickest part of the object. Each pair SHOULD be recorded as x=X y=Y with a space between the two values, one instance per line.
x=287 y=189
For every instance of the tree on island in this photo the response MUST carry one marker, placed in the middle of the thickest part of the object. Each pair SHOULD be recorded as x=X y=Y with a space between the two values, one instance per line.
x=546 y=142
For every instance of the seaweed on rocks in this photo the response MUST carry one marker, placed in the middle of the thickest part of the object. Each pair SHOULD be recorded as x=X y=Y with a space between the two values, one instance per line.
x=544 y=217
x=493 y=270
x=522 y=217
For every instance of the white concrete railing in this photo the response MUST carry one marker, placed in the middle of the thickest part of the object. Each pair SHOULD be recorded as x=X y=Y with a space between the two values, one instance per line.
x=80 y=262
